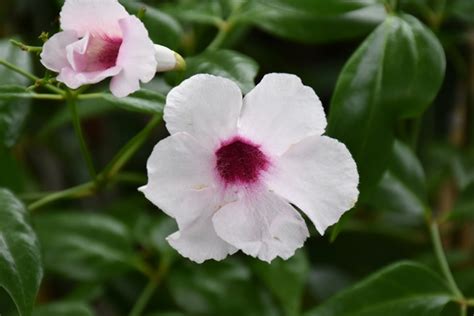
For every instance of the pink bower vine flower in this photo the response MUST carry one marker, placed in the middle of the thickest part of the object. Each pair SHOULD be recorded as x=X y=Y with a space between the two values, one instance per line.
x=100 y=39
x=231 y=168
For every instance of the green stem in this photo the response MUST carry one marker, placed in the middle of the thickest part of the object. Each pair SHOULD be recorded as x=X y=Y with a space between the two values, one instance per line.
x=38 y=96
x=129 y=149
x=108 y=174
x=150 y=288
x=71 y=100
x=442 y=261
x=30 y=76
x=82 y=190
x=221 y=36
x=89 y=96
x=27 y=48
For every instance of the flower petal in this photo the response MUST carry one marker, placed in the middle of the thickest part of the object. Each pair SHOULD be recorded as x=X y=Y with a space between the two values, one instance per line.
x=281 y=111
x=74 y=79
x=180 y=178
x=263 y=226
x=319 y=176
x=206 y=107
x=92 y=16
x=198 y=240
x=136 y=58
x=54 y=55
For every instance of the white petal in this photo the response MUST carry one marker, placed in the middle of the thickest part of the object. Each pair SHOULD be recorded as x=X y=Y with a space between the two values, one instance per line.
x=198 y=240
x=54 y=55
x=180 y=178
x=281 y=111
x=92 y=16
x=263 y=226
x=204 y=106
x=136 y=58
x=319 y=176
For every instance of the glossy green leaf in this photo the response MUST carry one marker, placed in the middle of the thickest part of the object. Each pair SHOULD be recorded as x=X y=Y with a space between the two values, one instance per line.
x=314 y=21
x=225 y=63
x=144 y=101
x=402 y=188
x=64 y=309
x=286 y=279
x=384 y=80
x=84 y=246
x=13 y=111
x=201 y=11
x=20 y=262
x=400 y=289
x=163 y=28
x=218 y=288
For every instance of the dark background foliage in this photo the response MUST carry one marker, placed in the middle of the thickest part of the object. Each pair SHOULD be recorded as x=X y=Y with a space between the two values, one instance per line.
x=397 y=82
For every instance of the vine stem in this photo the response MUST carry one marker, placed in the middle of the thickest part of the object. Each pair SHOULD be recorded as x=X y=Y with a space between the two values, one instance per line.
x=77 y=191
x=442 y=261
x=150 y=288
x=129 y=149
x=30 y=76
x=110 y=172
x=71 y=101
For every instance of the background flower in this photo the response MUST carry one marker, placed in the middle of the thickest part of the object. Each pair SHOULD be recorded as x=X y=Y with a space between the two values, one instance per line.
x=100 y=40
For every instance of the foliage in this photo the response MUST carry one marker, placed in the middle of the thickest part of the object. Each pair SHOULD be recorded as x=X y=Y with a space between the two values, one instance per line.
x=395 y=77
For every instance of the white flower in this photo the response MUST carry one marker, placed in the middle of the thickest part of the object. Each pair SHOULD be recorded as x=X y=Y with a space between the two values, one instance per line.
x=100 y=39
x=231 y=168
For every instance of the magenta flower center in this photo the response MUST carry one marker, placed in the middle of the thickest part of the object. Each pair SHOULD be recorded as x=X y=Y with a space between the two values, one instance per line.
x=239 y=161
x=102 y=53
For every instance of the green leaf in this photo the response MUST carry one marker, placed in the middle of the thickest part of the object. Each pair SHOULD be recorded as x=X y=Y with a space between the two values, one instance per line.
x=13 y=176
x=218 y=288
x=84 y=246
x=400 y=289
x=144 y=101
x=402 y=188
x=20 y=262
x=462 y=9
x=225 y=63
x=286 y=279
x=63 y=309
x=385 y=80
x=13 y=111
x=163 y=28
x=201 y=11
x=314 y=21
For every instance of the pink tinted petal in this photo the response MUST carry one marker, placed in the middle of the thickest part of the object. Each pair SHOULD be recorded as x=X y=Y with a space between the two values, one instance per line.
x=54 y=55
x=320 y=177
x=93 y=16
x=76 y=54
x=198 y=240
x=136 y=57
x=74 y=79
x=263 y=226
